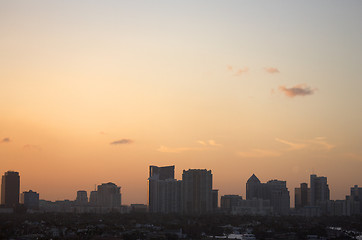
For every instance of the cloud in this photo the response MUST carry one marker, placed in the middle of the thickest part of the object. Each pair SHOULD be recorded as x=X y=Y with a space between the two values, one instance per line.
x=229 y=67
x=240 y=71
x=122 y=141
x=318 y=143
x=292 y=146
x=271 y=70
x=102 y=133
x=210 y=142
x=178 y=150
x=259 y=153
x=31 y=147
x=5 y=140
x=353 y=156
x=298 y=90
x=321 y=143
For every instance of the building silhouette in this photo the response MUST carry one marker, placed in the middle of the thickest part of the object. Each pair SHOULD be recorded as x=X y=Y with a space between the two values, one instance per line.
x=302 y=196
x=82 y=198
x=227 y=202
x=215 y=200
x=274 y=190
x=10 y=189
x=30 y=200
x=164 y=191
x=108 y=197
x=196 y=191
x=319 y=190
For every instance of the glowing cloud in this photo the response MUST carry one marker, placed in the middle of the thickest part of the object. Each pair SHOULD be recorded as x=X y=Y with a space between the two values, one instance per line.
x=271 y=70
x=31 y=147
x=122 y=141
x=292 y=146
x=240 y=71
x=298 y=90
x=210 y=142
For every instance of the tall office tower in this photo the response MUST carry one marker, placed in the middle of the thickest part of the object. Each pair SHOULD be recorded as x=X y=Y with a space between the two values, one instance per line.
x=254 y=188
x=82 y=198
x=302 y=196
x=215 y=199
x=109 y=196
x=10 y=189
x=164 y=191
x=230 y=201
x=278 y=194
x=319 y=190
x=30 y=200
x=93 y=198
x=197 y=191
x=356 y=195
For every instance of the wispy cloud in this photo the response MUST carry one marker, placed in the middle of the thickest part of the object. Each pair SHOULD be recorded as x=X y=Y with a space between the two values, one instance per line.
x=321 y=143
x=241 y=71
x=210 y=142
x=353 y=156
x=259 y=153
x=318 y=143
x=298 y=90
x=178 y=150
x=5 y=140
x=122 y=141
x=271 y=70
x=292 y=146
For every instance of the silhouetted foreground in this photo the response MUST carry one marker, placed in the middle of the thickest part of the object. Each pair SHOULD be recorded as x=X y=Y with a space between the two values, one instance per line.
x=152 y=226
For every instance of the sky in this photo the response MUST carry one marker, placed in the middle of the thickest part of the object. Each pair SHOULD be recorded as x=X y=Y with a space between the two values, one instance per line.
x=96 y=91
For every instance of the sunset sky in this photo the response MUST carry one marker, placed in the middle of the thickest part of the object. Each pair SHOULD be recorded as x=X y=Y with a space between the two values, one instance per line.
x=96 y=91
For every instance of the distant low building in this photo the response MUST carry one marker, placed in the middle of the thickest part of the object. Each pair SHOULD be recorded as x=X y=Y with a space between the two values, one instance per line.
x=30 y=200
x=227 y=202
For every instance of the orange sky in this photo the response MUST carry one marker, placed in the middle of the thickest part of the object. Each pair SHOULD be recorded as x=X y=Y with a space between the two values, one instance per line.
x=238 y=88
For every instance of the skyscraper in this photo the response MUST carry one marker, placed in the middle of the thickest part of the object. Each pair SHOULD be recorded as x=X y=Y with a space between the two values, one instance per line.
x=82 y=198
x=275 y=191
x=319 y=190
x=109 y=197
x=302 y=196
x=164 y=191
x=197 y=191
x=10 y=189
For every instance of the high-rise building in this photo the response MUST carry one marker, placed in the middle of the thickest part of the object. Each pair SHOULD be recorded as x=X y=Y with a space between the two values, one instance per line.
x=82 y=198
x=356 y=196
x=278 y=194
x=230 y=201
x=275 y=191
x=302 y=196
x=319 y=190
x=10 y=189
x=197 y=191
x=254 y=188
x=93 y=198
x=109 y=197
x=215 y=199
x=30 y=200
x=164 y=191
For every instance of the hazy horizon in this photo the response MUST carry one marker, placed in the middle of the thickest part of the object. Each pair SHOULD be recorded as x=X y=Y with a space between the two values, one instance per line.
x=96 y=91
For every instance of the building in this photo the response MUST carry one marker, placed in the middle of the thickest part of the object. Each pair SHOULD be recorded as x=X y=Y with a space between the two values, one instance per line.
x=10 y=189
x=302 y=196
x=197 y=191
x=108 y=197
x=319 y=190
x=215 y=200
x=82 y=198
x=252 y=207
x=275 y=191
x=254 y=188
x=93 y=198
x=227 y=202
x=356 y=196
x=30 y=200
x=278 y=194
x=164 y=191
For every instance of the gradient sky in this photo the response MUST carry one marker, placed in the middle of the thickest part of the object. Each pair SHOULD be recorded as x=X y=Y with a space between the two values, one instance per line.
x=96 y=91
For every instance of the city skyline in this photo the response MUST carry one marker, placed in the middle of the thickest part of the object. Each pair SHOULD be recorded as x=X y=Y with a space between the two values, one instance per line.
x=92 y=92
